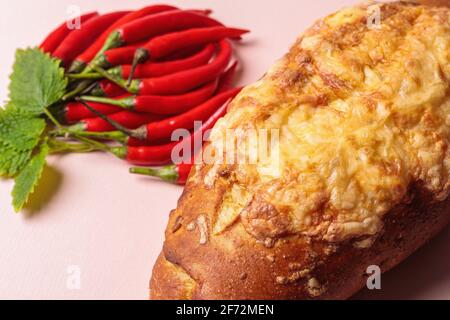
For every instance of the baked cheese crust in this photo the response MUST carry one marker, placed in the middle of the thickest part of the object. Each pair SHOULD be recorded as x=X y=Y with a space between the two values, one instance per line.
x=363 y=114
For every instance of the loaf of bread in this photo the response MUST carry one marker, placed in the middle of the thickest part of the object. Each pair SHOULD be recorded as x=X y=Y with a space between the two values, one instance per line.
x=358 y=116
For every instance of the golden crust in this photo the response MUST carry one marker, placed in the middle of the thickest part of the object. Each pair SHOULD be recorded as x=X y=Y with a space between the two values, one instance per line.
x=361 y=175
x=235 y=265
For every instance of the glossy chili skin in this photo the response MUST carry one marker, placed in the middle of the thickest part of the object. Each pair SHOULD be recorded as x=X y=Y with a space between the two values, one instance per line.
x=78 y=40
x=118 y=56
x=183 y=170
x=92 y=51
x=159 y=69
x=172 y=105
x=163 y=105
x=163 y=154
x=128 y=119
x=54 y=39
x=187 y=80
x=161 y=23
x=227 y=78
x=108 y=89
x=167 y=44
x=76 y=111
x=159 y=130
x=150 y=155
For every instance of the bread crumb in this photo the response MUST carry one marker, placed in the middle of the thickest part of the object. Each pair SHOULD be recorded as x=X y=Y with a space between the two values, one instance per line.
x=281 y=280
x=314 y=287
x=190 y=226
x=269 y=243
x=201 y=222
x=364 y=244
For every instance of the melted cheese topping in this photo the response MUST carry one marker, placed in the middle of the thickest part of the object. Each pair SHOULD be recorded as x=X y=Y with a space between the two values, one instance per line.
x=363 y=114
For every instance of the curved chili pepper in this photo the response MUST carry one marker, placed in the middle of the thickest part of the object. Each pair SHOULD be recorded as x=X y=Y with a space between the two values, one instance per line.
x=159 y=130
x=160 y=23
x=164 y=105
x=226 y=80
x=164 y=45
x=75 y=111
x=162 y=154
x=96 y=48
x=54 y=39
x=158 y=69
x=183 y=81
x=127 y=119
x=78 y=40
x=106 y=88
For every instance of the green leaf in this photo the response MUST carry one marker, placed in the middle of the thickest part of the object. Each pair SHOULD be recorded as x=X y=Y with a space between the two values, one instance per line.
x=19 y=135
x=19 y=129
x=12 y=160
x=37 y=81
x=29 y=177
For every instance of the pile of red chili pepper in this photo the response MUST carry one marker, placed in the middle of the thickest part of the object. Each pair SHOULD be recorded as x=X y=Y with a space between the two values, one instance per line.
x=137 y=76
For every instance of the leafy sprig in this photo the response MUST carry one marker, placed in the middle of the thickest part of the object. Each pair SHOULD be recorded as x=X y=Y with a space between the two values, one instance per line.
x=37 y=82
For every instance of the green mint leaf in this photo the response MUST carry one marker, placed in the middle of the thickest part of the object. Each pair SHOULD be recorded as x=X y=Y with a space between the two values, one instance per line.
x=29 y=177
x=37 y=81
x=12 y=160
x=20 y=133
x=20 y=130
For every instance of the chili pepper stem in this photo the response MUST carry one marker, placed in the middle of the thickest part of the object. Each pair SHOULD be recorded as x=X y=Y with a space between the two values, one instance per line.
x=168 y=174
x=132 y=88
x=140 y=56
x=119 y=152
x=85 y=145
x=52 y=118
x=58 y=146
x=116 y=136
x=113 y=41
x=132 y=133
x=79 y=89
x=77 y=67
x=84 y=76
x=126 y=103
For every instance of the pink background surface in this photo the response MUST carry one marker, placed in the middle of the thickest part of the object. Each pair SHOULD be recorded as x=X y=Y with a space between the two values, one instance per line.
x=91 y=213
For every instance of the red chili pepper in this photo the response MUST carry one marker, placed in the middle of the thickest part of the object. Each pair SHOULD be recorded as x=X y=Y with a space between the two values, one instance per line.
x=159 y=69
x=159 y=130
x=161 y=23
x=164 y=105
x=106 y=88
x=159 y=155
x=182 y=54
x=78 y=40
x=128 y=119
x=117 y=56
x=75 y=111
x=164 y=45
x=177 y=174
x=54 y=39
x=226 y=80
x=85 y=57
x=183 y=81
x=146 y=155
